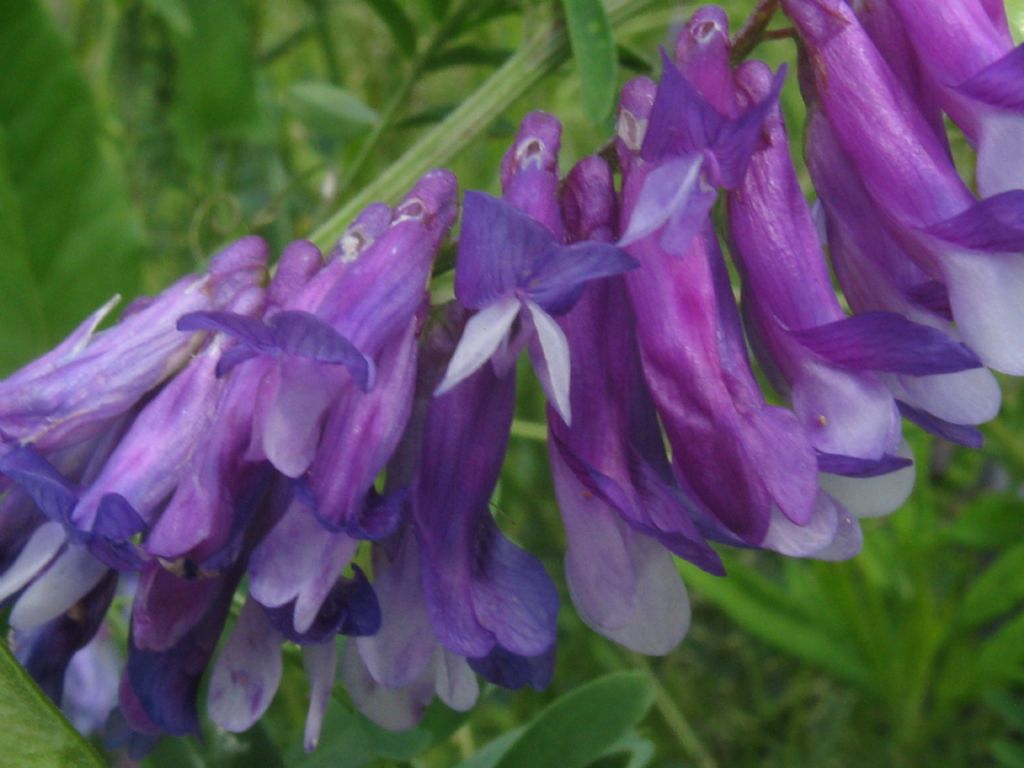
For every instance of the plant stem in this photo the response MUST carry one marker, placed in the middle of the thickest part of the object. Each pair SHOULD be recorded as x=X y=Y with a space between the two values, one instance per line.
x=752 y=31
x=538 y=57
x=675 y=719
x=401 y=94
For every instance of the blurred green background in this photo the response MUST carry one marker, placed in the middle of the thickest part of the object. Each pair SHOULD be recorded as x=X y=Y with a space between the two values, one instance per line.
x=137 y=136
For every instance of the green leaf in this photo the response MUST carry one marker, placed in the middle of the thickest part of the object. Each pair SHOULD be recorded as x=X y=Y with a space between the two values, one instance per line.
x=399 y=24
x=1001 y=657
x=70 y=239
x=1008 y=754
x=997 y=590
x=989 y=522
x=579 y=727
x=596 y=58
x=174 y=13
x=751 y=602
x=215 y=75
x=489 y=755
x=34 y=732
x=1008 y=707
x=332 y=108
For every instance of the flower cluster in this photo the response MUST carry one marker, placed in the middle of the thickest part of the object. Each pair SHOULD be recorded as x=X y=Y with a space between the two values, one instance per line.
x=232 y=447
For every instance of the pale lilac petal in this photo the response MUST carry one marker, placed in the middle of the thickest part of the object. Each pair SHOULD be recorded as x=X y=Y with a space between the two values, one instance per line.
x=454 y=681
x=843 y=414
x=296 y=395
x=396 y=709
x=848 y=540
x=247 y=671
x=667 y=190
x=787 y=538
x=402 y=649
x=298 y=560
x=41 y=547
x=481 y=338
x=966 y=397
x=555 y=349
x=871 y=496
x=321 y=664
x=986 y=292
x=660 y=616
x=69 y=578
x=1000 y=160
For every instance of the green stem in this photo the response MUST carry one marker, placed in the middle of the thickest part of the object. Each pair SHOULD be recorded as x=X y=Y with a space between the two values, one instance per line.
x=541 y=55
x=675 y=719
x=401 y=94
x=529 y=430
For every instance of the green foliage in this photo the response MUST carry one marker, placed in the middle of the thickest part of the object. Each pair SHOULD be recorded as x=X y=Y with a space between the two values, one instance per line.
x=69 y=236
x=34 y=733
x=594 y=49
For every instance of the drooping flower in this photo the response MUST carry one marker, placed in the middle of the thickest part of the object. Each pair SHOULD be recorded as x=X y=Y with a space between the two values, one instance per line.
x=877 y=275
x=744 y=462
x=622 y=511
x=981 y=87
x=971 y=247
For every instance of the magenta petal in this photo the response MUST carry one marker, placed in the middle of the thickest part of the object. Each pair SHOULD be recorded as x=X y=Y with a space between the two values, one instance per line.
x=1000 y=83
x=993 y=225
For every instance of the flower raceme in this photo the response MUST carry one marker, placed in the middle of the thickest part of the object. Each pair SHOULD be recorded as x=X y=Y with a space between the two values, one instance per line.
x=332 y=442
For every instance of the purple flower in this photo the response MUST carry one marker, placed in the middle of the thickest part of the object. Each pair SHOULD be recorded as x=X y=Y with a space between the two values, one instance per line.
x=981 y=87
x=877 y=275
x=72 y=392
x=487 y=599
x=511 y=265
x=691 y=149
x=971 y=247
x=622 y=511
x=330 y=335
x=392 y=676
x=743 y=461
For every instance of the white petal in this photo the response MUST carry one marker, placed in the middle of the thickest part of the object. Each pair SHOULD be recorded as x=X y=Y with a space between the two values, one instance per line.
x=871 y=496
x=555 y=348
x=68 y=579
x=37 y=553
x=481 y=337
x=321 y=664
x=665 y=192
x=964 y=397
x=986 y=292
x=788 y=538
x=454 y=681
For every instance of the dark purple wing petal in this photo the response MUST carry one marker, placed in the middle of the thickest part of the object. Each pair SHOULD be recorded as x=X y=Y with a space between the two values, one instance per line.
x=885 y=341
x=962 y=434
x=306 y=335
x=497 y=247
x=249 y=330
x=999 y=84
x=681 y=121
x=737 y=139
x=510 y=670
x=350 y=608
x=853 y=466
x=993 y=225
x=556 y=281
x=51 y=492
